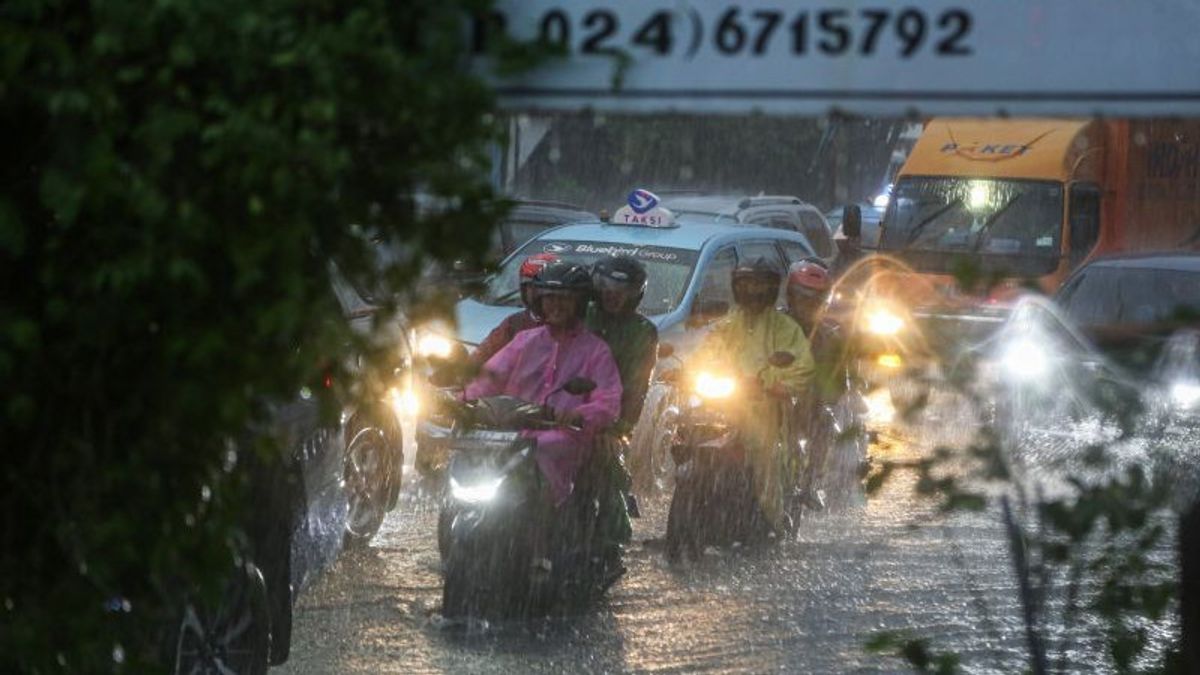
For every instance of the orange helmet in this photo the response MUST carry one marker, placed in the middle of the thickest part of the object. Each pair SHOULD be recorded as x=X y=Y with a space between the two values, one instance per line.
x=534 y=264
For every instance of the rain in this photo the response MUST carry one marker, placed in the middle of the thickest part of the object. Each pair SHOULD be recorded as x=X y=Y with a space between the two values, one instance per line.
x=889 y=560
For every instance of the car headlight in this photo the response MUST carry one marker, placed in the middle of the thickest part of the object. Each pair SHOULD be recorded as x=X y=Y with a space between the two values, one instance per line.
x=713 y=386
x=883 y=321
x=1185 y=394
x=476 y=493
x=432 y=345
x=1025 y=361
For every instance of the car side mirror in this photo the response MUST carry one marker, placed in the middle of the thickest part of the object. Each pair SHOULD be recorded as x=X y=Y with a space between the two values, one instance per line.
x=578 y=386
x=781 y=359
x=852 y=221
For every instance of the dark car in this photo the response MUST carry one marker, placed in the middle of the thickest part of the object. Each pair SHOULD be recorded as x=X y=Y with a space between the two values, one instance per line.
x=294 y=528
x=1125 y=324
x=1142 y=312
x=332 y=487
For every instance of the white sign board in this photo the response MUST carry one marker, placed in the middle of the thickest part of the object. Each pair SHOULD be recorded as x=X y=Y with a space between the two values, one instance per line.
x=1076 y=57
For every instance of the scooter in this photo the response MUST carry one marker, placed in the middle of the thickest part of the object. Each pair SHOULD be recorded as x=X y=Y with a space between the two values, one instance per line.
x=714 y=501
x=506 y=553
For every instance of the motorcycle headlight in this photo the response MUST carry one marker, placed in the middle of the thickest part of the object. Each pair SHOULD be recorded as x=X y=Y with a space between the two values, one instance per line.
x=476 y=493
x=883 y=321
x=405 y=402
x=1185 y=394
x=1025 y=360
x=434 y=345
x=711 y=386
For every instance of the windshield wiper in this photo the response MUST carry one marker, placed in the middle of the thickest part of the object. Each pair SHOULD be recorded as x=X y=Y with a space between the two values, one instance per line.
x=981 y=235
x=916 y=230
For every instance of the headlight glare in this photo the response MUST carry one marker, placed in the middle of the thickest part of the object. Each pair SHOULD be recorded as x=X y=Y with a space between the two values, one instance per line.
x=1185 y=394
x=883 y=321
x=433 y=345
x=476 y=493
x=405 y=403
x=1025 y=361
x=713 y=386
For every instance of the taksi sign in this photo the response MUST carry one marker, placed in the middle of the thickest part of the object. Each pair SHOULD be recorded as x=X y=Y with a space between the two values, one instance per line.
x=642 y=208
x=1019 y=57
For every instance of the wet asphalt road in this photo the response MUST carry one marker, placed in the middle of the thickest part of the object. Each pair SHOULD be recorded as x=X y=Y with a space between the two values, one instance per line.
x=804 y=605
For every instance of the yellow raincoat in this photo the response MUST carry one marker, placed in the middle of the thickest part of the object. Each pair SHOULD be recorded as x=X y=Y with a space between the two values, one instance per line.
x=741 y=344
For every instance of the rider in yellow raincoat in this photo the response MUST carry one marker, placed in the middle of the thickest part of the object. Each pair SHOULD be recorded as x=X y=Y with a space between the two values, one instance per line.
x=743 y=342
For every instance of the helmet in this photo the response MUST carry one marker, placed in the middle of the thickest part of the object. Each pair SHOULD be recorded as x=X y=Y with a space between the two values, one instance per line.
x=533 y=264
x=529 y=269
x=623 y=273
x=561 y=275
x=761 y=269
x=808 y=278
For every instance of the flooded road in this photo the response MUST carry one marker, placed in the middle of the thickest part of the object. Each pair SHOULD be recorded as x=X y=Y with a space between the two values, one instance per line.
x=804 y=605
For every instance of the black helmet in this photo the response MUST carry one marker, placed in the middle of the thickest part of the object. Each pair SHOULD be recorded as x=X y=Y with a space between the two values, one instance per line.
x=623 y=272
x=763 y=269
x=563 y=276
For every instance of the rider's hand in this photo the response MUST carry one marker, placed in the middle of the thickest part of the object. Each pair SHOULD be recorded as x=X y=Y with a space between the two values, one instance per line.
x=777 y=390
x=568 y=418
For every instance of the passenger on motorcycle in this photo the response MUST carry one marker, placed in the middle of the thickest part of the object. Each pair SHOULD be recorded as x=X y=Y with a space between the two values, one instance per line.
x=619 y=282
x=809 y=285
x=517 y=321
x=744 y=341
x=537 y=364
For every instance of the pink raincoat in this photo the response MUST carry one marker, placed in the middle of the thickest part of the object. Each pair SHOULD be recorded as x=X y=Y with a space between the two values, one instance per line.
x=535 y=364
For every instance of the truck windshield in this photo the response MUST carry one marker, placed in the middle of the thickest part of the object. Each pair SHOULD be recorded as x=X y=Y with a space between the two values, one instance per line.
x=1012 y=226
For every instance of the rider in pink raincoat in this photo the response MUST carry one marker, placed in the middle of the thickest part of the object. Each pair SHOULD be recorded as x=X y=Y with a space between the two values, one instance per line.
x=537 y=363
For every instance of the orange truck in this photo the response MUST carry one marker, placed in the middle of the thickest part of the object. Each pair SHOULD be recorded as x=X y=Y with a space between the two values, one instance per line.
x=984 y=209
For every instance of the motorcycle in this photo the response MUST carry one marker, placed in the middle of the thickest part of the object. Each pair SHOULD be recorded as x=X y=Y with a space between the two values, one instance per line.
x=831 y=450
x=714 y=502
x=505 y=551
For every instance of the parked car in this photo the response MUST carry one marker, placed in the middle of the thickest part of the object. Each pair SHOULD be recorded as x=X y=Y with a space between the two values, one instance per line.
x=689 y=266
x=783 y=212
x=294 y=528
x=330 y=489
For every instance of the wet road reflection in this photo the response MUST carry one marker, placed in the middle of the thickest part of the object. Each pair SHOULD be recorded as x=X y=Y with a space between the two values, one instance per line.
x=805 y=605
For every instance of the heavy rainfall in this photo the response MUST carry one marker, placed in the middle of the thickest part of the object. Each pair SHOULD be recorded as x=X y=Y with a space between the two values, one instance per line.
x=937 y=376
x=394 y=379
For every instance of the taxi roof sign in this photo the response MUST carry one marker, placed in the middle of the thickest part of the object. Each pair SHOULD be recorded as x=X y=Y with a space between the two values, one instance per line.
x=644 y=209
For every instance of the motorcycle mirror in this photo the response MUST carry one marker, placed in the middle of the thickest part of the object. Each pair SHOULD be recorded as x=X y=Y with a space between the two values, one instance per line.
x=781 y=359
x=578 y=386
x=666 y=350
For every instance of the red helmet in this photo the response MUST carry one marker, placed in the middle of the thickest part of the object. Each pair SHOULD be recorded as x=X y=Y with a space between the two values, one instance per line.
x=809 y=278
x=534 y=264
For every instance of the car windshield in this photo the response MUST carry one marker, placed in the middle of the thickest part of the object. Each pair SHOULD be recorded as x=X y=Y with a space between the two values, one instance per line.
x=1011 y=224
x=669 y=270
x=1105 y=295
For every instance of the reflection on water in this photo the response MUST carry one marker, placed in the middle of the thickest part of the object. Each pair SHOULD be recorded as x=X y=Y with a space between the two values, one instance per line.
x=803 y=605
